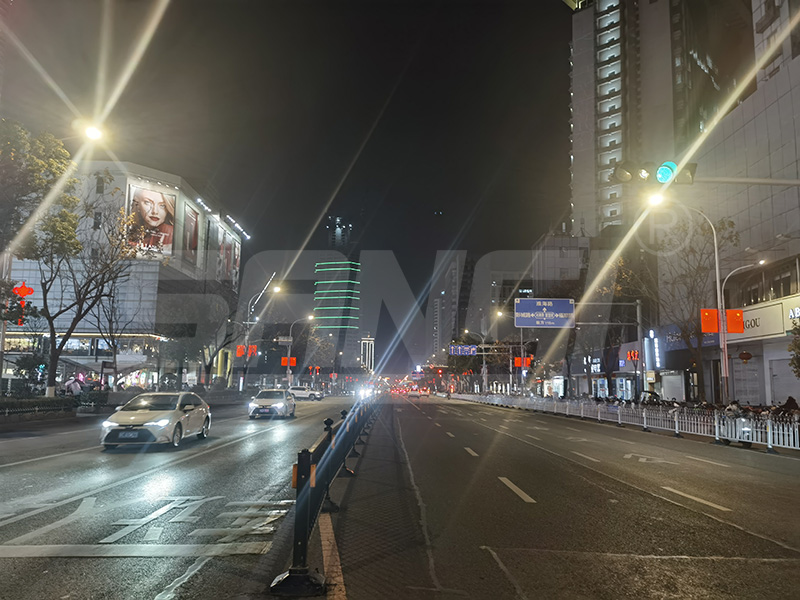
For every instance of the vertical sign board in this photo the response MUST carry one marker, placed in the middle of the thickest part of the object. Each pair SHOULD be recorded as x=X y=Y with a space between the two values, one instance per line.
x=553 y=313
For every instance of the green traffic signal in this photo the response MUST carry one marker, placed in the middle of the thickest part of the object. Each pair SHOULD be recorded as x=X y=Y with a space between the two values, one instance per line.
x=649 y=172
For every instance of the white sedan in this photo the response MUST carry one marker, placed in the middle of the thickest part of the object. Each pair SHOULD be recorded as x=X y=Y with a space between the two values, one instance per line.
x=276 y=403
x=157 y=418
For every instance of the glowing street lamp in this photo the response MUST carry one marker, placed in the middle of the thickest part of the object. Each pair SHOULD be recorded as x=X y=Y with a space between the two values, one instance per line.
x=93 y=133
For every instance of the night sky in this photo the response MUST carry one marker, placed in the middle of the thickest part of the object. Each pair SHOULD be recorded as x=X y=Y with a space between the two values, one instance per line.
x=464 y=105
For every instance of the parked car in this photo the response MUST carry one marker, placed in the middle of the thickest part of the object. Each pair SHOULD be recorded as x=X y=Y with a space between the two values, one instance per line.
x=302 y=392
x=272 y=403
x=157 y=418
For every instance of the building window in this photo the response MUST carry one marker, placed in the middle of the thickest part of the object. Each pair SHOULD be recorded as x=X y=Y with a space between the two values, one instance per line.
x=751 y=295
x=98 y=219
x=782 y=284
x=100 y=187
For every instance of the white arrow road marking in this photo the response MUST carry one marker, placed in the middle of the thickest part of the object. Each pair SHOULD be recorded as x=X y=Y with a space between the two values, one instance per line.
x=696 y=499
x=153 y=534
x=517 y=491
x=85 y=508
x=586 y=457
x=134 y=524
x=470 y=451
x=650 y=459
x=711 y=462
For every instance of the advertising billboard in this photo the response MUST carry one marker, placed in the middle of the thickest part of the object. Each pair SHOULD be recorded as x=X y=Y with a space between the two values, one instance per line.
x=153 y=215
x=225 y=256
x=191 y=234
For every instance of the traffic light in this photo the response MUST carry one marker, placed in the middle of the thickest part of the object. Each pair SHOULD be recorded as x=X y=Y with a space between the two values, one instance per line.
x=650 y=172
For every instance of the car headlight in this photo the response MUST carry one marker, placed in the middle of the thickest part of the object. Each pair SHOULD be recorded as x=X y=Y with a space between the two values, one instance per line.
x=279 y=405
x=109 y=424
x=159 y=423
x=254 y=405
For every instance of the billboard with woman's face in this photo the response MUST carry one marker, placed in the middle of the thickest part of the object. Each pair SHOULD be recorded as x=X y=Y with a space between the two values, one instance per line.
x=191 y=227
x=153 y=216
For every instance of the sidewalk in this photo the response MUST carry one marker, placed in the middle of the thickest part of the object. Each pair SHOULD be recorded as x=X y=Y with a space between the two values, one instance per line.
x=377 y=531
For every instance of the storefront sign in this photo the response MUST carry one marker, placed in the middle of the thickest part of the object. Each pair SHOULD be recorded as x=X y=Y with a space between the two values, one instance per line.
x=761 y=322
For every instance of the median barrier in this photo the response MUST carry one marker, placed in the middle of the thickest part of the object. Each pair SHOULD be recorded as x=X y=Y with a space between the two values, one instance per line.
x=312 y=476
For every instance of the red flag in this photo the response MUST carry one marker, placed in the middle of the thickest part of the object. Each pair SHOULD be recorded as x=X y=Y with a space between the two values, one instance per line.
x=284 y=361
x=517 y=361
x=239 y=350
x=709 y=320
x=293 y=361
x=735 y=320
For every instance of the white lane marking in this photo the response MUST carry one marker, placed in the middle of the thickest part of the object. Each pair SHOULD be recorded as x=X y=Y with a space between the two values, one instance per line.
x=711 y=462
x=503 y=427
x=331 y=563
x=520 y=592
x=30 y=460
x=153 y=534
x=517 y=491
x=150 y=471
x=437 y=424
x=132 y=525
x=30 y=437
x=573 y=429
x=533 y=437
x=86 y=506
x=482 y=419
x=586 y=457
x=696 y=499
x=650 y=459
x=431 y=418
x=540 y=428
x=134 y=550
x=450 y=434
x=470 y=451
x=623 y=441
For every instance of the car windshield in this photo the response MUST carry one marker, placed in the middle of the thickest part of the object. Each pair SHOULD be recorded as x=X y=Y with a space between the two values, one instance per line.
x=153 y=402
x=270 y=395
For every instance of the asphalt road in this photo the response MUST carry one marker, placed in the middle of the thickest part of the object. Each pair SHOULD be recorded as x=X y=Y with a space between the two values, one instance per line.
x=77 y=522
x=527 y=505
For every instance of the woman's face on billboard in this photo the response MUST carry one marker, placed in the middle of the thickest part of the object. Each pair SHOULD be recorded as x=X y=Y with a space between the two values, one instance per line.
x=152 y=208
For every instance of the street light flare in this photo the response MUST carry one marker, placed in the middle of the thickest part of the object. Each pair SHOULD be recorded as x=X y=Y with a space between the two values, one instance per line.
x=93 y=133
x=656 y=199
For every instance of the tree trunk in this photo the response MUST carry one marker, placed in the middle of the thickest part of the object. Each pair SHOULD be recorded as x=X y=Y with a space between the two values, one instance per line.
x=52 y=367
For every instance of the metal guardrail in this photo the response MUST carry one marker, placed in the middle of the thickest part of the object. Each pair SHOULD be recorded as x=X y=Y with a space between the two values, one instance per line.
x=35 y=408
x=312 y=476
x=771 y=431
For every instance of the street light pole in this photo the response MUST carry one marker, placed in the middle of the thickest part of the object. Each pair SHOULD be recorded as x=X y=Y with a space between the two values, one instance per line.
x=248 y=322
x=289 y=349
x=723 y=330
x=484 y=373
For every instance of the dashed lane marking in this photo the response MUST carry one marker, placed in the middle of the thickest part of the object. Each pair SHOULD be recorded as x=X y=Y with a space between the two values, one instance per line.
x=517 y=491
x=450 y=434
x=711 y=462
x=533 y=437
x=696 y=499
x=133 y=550
x=470 y=451
x=586 y=457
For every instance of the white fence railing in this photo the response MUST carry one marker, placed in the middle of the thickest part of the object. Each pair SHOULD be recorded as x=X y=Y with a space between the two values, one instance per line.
x=782 y=432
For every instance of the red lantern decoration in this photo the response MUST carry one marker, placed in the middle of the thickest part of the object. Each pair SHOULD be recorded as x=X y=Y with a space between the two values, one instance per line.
x=22 y=291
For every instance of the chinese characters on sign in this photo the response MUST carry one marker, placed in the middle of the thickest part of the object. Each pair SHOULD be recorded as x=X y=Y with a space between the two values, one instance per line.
x=544 y=312
x=462 y=350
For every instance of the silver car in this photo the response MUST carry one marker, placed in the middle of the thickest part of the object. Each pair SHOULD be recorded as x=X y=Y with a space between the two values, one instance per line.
x=157 y=418
x=272 y=403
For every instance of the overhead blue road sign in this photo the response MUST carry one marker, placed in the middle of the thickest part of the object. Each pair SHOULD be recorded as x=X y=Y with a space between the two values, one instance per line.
x=553 y=313
x=463 y=350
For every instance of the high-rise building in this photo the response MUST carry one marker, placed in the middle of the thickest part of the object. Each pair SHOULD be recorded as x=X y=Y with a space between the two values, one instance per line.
x=648 y=79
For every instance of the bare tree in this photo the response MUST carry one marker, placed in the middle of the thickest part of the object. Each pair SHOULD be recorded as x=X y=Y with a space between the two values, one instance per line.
x=683 y=283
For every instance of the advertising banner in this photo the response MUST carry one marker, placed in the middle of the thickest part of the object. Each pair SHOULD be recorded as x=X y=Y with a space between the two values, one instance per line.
x=153 y=215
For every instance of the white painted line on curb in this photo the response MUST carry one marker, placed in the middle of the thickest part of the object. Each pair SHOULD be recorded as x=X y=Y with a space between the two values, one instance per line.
x=517 y=491
x=711 y=462
x=696 y=499
x=470 y=451
x=586 y=457
x=533 y=437
x=450 y=434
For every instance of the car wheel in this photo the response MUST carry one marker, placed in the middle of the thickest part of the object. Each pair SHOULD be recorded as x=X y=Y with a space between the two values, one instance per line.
x=252 y=416
x=109 y=446
x=177 y=434
x=294 y=409
x=204 y=431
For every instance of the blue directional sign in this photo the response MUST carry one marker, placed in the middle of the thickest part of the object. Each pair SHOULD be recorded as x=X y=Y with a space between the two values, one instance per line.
x=553 y=313
x=463 y=350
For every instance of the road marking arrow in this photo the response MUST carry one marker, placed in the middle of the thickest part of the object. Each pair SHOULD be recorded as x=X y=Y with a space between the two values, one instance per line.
x=650 y=459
